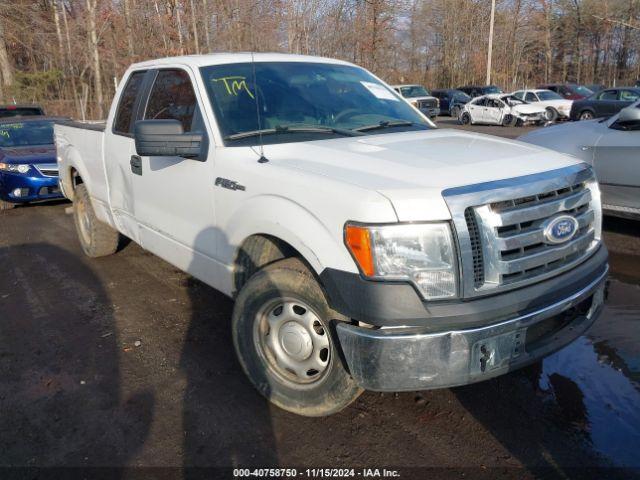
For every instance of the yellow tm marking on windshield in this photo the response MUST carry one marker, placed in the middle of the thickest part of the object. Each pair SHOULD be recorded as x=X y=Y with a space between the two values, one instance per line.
x=234 y=85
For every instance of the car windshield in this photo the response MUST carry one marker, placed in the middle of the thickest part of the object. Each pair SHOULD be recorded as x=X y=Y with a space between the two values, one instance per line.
x=22 y=134
x=548 y=95
x=580 y=90
x=511 y=100
x=296 y=101
x=491 y=89
x=19 y=111
x=413 y=91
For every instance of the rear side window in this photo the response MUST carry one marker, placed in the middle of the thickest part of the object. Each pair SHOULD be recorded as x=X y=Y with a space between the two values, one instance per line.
x=530 y=97
x=172 y=98
x=124 y=117
x=608 y=95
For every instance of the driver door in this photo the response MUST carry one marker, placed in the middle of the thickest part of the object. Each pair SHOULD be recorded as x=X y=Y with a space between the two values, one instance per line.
x=174 y=204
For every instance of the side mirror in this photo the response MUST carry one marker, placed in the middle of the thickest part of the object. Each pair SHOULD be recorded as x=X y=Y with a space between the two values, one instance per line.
x=166 y=138
x=628 y=119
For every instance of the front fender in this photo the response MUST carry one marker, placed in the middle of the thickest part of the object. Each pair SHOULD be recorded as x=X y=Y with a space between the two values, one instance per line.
x=321 y=245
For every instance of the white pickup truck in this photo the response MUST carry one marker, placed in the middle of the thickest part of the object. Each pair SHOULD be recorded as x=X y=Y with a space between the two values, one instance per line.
x=364 y=248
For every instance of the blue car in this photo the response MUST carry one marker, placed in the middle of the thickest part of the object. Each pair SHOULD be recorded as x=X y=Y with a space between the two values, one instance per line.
x=28 y=164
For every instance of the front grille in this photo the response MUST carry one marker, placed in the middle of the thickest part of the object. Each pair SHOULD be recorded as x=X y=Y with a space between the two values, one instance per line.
x=515 y=247
x=48 y=169
x=502 y=228
x=428 y=103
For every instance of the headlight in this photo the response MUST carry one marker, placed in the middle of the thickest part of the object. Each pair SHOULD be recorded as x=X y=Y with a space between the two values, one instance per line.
x=419 y=253
x=8 y=167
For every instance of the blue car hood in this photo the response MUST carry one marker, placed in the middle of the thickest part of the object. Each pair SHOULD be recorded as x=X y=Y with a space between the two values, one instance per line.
x=29 y=154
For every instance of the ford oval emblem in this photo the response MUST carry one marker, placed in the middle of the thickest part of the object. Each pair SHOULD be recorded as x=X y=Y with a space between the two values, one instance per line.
x=560 y=229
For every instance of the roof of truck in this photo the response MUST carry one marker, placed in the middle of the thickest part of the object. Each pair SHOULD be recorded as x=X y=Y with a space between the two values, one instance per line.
x=235 y=57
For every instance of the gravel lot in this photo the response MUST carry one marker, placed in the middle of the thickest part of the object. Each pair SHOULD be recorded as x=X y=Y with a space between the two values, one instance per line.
x=127 y=362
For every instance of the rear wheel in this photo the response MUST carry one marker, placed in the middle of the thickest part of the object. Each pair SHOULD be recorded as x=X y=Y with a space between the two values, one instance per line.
x=586 y=115
x=465 y=119
x=6 y=205
x=96 y=238
x=282 y=335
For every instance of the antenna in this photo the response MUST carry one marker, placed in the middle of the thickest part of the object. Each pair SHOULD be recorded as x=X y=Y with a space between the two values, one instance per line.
x=262 y=158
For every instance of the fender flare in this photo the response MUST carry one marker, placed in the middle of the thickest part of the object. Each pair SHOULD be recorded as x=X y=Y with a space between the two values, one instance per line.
x=290 y=222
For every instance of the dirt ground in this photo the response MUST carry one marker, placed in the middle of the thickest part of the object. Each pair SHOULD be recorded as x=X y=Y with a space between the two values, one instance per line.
x=125 y=361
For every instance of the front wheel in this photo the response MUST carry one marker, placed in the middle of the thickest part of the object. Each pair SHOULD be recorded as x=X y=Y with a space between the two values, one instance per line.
x=282 y=335
x=465 y=119
x=552 y=114
x=455 y=112
x=586 y=115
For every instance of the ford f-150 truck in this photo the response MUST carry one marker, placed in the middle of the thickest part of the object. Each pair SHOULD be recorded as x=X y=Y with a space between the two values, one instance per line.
x=364 y=248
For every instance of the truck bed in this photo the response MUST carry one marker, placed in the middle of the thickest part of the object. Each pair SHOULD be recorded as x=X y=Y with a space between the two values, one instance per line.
x=97 y=125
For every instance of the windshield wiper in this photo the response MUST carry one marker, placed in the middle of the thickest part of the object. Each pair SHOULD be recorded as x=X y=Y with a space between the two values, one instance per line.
x=384 y=124
x=293 y=129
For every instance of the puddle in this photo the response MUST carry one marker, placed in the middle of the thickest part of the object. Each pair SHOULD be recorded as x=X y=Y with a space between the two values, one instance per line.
x=596 y=380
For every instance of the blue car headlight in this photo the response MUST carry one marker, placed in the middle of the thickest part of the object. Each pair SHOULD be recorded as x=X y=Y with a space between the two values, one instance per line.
x=8 y=167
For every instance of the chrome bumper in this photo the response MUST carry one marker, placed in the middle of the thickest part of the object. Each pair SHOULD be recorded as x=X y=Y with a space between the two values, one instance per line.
x=396 y=359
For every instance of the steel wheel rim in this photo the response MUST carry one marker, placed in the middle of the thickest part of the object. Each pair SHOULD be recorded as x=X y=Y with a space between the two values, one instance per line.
x=83 y=222
x=292 y=342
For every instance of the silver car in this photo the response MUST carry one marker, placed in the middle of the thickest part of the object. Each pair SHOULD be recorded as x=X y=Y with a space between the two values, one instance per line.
x=612 y=146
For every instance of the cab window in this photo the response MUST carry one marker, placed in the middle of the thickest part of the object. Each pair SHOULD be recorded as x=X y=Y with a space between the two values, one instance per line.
x=124 y=116
x=530 y=97
x=608 y=95
x=173 y=98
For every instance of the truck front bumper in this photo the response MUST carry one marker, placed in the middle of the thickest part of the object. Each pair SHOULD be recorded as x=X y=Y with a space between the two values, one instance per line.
x=421 y=357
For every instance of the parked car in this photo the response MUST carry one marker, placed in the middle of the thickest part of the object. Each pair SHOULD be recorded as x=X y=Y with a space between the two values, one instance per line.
x=479 y=90
x=451 y=101
x=502 y=109
x=28 y=165
x=420 y=98
x=364 y=249
x=570 y=91
x=604 y=103
x=612 y=146
x=556 y=106
x=20 y=110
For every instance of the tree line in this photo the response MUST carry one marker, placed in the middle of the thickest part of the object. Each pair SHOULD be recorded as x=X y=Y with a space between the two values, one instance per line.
x=70 y=54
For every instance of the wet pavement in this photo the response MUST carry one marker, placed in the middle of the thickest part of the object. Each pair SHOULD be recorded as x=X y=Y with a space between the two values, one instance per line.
x=76 y=389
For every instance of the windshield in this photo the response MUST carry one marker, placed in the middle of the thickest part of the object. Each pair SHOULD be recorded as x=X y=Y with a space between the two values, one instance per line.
x=580 y=90
x=511 y=100
x=19 y=111
x=548 y=95
x=22 y=134
x=461 y=97
x=292 y=97
x=413 y=91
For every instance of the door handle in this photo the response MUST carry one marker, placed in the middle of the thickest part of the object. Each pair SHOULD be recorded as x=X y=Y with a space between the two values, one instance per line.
x=136 y=164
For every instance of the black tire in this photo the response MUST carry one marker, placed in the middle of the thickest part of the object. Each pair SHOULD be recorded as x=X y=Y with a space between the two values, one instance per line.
x=96 y=238
x=586 y=115
x=6 y=205
x=552 y=114
x=455 y=111
x=289 y=280
x=509 y=120
x=465 y=119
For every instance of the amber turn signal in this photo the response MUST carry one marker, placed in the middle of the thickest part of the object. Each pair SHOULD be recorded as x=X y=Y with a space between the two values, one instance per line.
x=358 y=241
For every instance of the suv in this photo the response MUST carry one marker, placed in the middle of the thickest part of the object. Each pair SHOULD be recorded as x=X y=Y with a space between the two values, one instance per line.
x=451 y=101
x=420 y=98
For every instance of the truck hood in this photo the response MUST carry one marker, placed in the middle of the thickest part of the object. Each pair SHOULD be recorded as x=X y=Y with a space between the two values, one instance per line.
x=412 y=169
x=30 y=154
